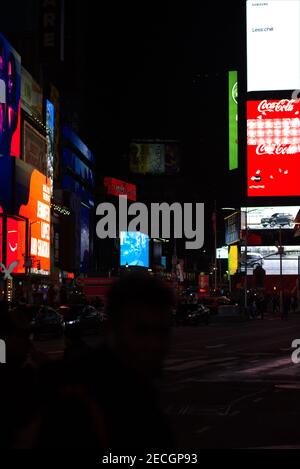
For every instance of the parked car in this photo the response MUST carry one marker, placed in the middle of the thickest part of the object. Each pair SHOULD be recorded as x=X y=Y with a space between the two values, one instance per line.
x=47 y=321
x=278 y=219
x=82 y=318
x=191 y=314
x=213 y=302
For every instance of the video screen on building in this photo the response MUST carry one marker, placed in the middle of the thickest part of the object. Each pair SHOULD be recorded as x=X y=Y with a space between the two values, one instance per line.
x=233 y=119
x=269 y=218
x=50 y=141
x=10 y=100
x=154 y=157
x=222 y=253
x=268 y=258
x=37 y=211
x=35 y=148
x=134 y=249
x=273 y=45
x=273 y=147
x=16 y=244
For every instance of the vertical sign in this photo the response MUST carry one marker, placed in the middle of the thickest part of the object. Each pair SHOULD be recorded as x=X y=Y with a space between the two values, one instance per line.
x=233 y=119
x=50 y=141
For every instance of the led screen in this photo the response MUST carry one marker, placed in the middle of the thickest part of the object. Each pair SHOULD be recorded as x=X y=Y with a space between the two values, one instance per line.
x=10 y=97
x=50 y=141
x=263 y=218
x=37 y=211
x=84 y=239
x=154 y=158
x=16 y=244
x=273 y=45
x=233 y=119
x=35 y=148
x=134 y=249
x=269 y=258
x=222 y=253
x=273 y=147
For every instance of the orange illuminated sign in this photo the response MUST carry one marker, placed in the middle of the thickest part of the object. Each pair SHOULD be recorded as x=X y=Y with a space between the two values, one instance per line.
x=38 y=213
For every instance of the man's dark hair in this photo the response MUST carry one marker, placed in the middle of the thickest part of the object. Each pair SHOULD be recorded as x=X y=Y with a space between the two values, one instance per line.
x=138 y=288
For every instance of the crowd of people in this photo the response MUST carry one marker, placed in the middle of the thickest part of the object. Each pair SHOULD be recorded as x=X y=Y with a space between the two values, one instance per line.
x=99 y=398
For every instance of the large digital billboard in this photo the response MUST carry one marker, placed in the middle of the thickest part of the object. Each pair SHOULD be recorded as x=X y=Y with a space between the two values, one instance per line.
x=35 y=148
x=154 y=157
x=10 y=100
x=273 y=147
x=50 y=141
x=268 y=258
x=233 y=119
x=31 y=95
x=37 y=211
x=262 y=218
x=134 y=249
x=273 y=45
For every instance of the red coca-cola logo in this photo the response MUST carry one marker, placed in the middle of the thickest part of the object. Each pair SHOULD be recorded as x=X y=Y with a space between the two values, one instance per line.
x=277 y=149
x=284 y=105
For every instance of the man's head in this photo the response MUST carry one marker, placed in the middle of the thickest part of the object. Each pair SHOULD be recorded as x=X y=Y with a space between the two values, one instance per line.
x=140 y=310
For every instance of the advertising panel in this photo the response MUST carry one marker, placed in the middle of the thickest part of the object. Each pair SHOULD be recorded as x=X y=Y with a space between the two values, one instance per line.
x=16 y=244
x=273 y=147
x=154 y=158
x=10 y=100
x=117 y=188
x=273 y=45
x=222 y=253
x=55 y=100
x=233 y=260
x=50 y=141
x=233 y=119
x=203 y=284
x=35 y=149
x=232 y=228
x=265 y=218
x=31 y=95
x=268 y=258
x=37 y=211
x=134 y=249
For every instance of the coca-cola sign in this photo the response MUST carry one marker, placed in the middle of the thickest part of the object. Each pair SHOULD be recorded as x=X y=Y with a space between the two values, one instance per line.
x=273 y=147
x=284 y=105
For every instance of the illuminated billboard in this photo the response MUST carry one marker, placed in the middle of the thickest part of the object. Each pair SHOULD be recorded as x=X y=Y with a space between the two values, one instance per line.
x=273 y=147
x=154 y=157
x=50 y=141
x=233 y=257
x=273 y=45
x=35 y=148
x=16 y=244
x=262 y=218
x=10 y=100
x=37 y=211
x=117 y=188
x=31 y=95
x=233 y=119
x=268 y=258
x=134 y=249
x=222 y=253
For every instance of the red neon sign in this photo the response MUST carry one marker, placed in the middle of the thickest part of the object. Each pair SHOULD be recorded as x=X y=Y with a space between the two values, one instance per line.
x=117 y=188
x=273 y=147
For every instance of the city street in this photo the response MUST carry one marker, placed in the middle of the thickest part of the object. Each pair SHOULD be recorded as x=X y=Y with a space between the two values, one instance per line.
x=234 y=385
x=229 y=385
